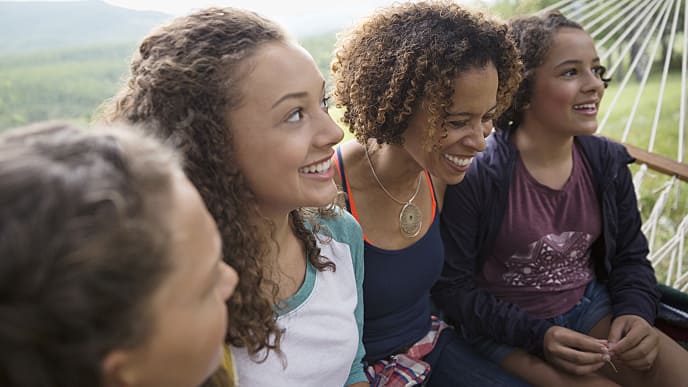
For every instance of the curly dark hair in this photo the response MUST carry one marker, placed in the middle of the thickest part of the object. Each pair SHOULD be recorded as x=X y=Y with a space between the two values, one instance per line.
x=186 y=78
x=84 y=243
x=412 y=52
x=533 y=35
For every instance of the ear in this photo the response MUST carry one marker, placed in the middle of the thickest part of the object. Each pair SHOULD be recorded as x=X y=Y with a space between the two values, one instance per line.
x=117 y=369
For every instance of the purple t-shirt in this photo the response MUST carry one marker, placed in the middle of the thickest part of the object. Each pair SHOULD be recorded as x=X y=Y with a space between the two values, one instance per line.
x=541 y=261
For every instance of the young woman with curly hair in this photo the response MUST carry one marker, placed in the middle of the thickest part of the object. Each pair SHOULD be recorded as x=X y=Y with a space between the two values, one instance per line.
x=110 y=268
x=247 y=107
x=546 y=267
x=420 y=84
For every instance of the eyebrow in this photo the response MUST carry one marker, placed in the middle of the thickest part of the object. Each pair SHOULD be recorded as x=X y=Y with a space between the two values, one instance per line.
x=449 y=114
x=297 y=95
x=574 y=61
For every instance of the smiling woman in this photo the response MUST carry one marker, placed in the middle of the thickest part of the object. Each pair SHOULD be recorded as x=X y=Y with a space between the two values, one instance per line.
x=419 y=84
x=247 y=107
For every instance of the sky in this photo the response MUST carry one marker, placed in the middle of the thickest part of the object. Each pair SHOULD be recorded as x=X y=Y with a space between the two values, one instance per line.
x=298 y=16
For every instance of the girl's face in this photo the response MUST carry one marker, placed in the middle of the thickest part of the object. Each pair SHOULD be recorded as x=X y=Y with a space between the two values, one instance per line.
x=567 y=87
x=188 y=309
x=468 y=122
x=282 y=132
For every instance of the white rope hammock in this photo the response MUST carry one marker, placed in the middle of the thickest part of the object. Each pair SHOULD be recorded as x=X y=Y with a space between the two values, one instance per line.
x=629 y=35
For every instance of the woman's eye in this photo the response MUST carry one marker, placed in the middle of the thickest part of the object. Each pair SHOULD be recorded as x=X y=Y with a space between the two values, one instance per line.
x=325 y=103
x=296 y=116
x=599 y=70
x=456 y=124
x=569 y=73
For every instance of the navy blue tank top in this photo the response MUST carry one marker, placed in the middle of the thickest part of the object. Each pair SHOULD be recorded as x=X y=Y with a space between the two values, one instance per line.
x=396 y=287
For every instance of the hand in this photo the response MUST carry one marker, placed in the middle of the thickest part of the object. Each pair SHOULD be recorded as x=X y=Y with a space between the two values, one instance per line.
x=574 y=352
x=634 y=341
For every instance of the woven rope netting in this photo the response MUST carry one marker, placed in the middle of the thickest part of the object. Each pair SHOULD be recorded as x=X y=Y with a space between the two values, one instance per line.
x=644 y=45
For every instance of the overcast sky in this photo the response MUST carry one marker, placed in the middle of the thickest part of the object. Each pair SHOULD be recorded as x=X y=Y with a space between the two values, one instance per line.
x=299 y=16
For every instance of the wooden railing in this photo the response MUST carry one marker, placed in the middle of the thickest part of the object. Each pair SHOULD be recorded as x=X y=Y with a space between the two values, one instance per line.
x=659 y=163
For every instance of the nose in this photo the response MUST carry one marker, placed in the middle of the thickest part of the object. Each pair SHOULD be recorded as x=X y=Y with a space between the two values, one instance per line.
x=476 y=138
x=229 y=280
x=594 y=83
x=329 y=133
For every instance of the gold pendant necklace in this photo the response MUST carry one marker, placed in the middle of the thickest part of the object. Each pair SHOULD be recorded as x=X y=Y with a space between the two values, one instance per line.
x=410 y=217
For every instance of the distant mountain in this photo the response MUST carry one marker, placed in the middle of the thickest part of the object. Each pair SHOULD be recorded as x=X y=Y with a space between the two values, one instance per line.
x=39 y=25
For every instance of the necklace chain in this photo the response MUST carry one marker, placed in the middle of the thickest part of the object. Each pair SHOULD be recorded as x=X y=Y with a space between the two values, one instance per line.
x=420 y=178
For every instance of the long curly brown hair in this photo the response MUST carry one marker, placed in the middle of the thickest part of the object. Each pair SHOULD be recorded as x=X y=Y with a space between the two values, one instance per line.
x=533 y=35
x=411 y=52
x=186 y=79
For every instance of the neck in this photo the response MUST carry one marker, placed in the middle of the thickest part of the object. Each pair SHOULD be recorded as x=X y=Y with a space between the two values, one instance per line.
x=542 y=146
x=394 y=166
x=285 y=257
x=279 y=232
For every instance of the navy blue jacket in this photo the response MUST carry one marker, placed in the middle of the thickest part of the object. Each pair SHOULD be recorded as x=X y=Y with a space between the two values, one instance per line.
x=471 y=218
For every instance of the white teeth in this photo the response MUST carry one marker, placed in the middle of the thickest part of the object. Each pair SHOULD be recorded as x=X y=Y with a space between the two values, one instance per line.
x=460 y=161
x=317 y=168
x=587 y=106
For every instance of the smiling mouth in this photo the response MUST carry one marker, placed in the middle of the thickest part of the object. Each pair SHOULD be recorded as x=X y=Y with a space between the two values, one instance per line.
x=586 y=107
x=317 y=168
x=458 y=161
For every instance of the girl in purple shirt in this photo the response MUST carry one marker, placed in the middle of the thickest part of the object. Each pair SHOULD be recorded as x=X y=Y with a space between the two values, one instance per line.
x=546 y=268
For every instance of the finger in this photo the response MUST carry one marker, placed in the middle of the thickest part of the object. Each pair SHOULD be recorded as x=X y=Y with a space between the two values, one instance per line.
x=643 y=355
x=576 y=356
x=571 y=339
x=616 y=332
x=633 y=338
x=578 y=369
x=573 y=351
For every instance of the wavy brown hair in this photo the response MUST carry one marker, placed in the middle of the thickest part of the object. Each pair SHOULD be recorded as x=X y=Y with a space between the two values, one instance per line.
x=186 y=78
x=533 y=35
x=412 y=52
x=84 y=243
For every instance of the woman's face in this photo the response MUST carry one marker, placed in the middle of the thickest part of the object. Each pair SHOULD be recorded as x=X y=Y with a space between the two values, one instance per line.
x=282 y=132
x=188 y=309
x=567 y=86
x=467 y=123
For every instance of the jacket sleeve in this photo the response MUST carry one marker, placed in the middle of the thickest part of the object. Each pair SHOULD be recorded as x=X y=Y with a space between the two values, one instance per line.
x=632 y=284
x=475 y=311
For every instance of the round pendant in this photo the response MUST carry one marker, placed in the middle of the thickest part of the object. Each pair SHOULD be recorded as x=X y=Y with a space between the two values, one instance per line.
x=410 y=220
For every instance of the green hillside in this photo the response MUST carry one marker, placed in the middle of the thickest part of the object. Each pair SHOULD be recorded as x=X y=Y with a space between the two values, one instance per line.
x=61 y=84
x=71 y=83
x=61 y=60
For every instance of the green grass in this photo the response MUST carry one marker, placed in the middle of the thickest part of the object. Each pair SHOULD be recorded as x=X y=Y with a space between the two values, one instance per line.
x=666 y=144
x=666 y=141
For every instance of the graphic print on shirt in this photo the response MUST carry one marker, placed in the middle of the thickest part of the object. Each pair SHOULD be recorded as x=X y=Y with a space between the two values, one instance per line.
x=551 y=262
